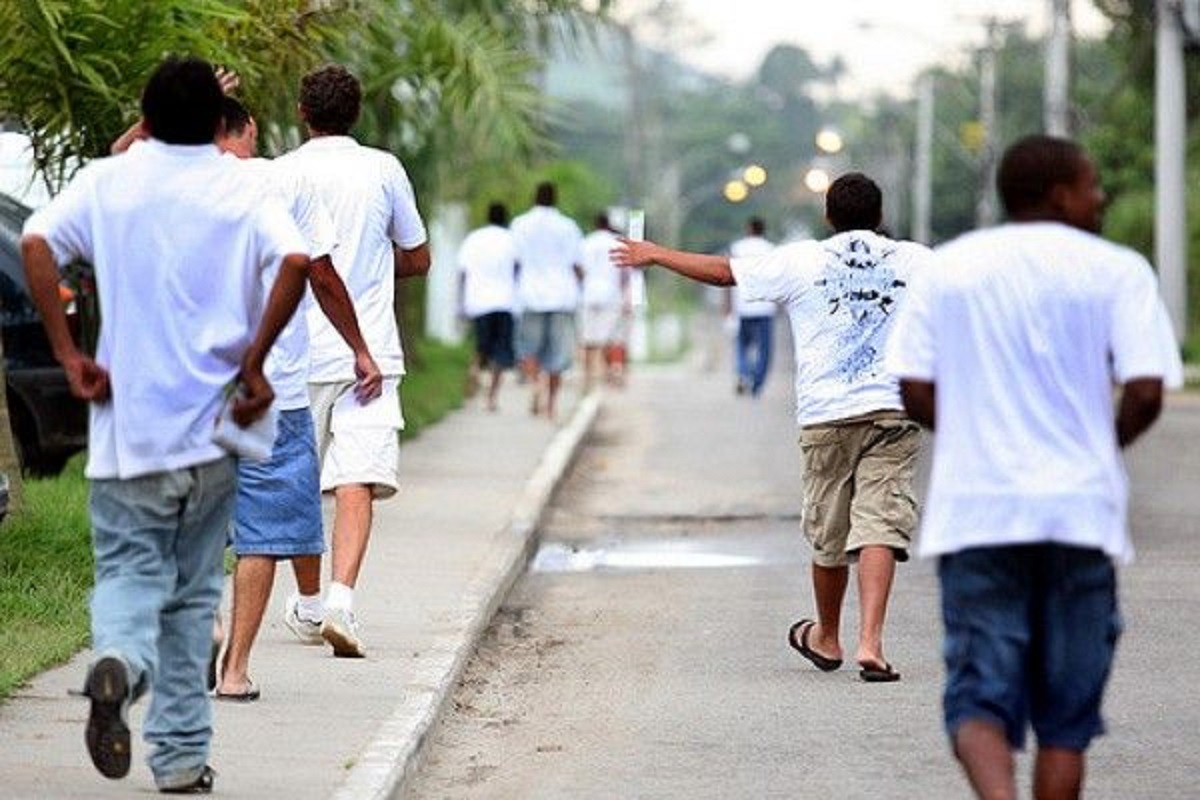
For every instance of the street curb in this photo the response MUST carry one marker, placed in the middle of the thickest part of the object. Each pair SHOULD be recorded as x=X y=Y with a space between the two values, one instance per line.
x=392 y=757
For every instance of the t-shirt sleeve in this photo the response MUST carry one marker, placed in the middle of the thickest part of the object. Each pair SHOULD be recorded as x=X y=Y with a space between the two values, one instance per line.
x=1143 y=341
x=405 y=228
x=65 y=223
x=911 y=351
x=776 y=275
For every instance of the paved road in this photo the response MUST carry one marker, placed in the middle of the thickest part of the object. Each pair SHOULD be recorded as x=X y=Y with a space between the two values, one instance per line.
x=645 y=655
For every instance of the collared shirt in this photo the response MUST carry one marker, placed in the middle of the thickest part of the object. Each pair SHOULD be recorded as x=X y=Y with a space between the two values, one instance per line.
x=1024 y=328
x=487 y=259
x=748 y=247
x=841 y=295
x=372 y=203
x=548 y=244
x=179 y=238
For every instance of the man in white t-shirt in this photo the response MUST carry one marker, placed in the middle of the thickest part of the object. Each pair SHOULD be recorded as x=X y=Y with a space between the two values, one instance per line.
x=755 y=318
x=1009 y=348
x=375 y=212
x=487 y=285
x=606 y=303
x=841 y=294
x=176 y=334
x=548 y=249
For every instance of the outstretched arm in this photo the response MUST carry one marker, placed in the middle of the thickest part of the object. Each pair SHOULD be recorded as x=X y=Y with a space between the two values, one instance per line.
x=713 y=270
x=335 y=302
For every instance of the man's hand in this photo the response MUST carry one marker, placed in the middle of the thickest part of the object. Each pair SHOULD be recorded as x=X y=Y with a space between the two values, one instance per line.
x=253 y=399
x=228 y=79
x=370 y=379
x=632 y=254
x=87 y=379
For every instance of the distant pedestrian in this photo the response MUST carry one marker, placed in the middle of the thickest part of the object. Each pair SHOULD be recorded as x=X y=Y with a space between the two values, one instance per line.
x=381 y=238
x=278 y=510
x=176 y=334
x=1009 y=348
x=487 y=268
x=755 y=318
x=859 y=448
x=605 y=307
x=548 y=249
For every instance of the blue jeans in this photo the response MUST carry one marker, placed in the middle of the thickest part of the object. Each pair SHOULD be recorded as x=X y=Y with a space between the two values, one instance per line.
x=754 y=351
x=158 y=542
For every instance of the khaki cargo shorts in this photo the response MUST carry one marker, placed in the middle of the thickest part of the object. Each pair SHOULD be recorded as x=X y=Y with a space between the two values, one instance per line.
x=858 y=486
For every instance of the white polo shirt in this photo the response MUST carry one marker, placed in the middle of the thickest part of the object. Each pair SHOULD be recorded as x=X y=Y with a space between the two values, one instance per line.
x=1024 y=328
x=749 y=247
x=487 y=259
x=287 y=365
x=841 y=295
x=601 y=278
x=372 y=203
x=179 y=238
x=548 y=248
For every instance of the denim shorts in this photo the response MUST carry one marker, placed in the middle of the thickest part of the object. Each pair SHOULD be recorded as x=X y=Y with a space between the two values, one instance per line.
x=278 y=511
x=1030 y=635
x=547 y=337
x=494 y=339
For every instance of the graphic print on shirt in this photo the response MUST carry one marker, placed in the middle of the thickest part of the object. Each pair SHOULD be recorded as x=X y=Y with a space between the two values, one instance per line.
x=860 y=285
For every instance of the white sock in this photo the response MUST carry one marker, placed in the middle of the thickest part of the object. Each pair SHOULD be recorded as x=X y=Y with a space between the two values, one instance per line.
x=310 y=607
x=339 y=595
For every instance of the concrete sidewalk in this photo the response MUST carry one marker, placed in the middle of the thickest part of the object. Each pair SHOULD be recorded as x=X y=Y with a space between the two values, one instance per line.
x=442 y=556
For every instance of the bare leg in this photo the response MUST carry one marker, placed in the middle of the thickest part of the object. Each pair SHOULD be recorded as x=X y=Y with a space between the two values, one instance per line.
x=252 y=580
x=591 y=357
x=494 y=388
x=876 y=568
x=473 y=375
x=1058 y=774
x=829 y=589
x=307 y=570
x=533 y=374
x=986 y=757
x=553 y=383
x=351 y=531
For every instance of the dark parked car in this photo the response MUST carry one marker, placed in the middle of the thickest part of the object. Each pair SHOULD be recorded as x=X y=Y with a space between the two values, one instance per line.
x=48 y=423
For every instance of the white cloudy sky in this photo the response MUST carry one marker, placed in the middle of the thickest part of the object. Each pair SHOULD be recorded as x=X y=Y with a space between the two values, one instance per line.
x=902 y=37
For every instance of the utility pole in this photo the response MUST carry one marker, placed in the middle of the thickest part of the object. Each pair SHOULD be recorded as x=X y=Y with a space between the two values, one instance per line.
x=1170 y=130
x=922 y=189
x=1058 y=70
x=985 y=208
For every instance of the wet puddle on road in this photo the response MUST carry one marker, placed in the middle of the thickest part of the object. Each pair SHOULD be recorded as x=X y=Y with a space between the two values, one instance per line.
x=617 y=555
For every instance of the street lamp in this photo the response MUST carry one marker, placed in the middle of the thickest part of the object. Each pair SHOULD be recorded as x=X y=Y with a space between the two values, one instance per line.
x=754 y=176
x=736 y=191
x=817 y=180
x=829 y=141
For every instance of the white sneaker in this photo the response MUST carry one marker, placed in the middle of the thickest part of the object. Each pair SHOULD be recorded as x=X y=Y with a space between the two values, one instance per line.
x=307 y=631
x=340 y=629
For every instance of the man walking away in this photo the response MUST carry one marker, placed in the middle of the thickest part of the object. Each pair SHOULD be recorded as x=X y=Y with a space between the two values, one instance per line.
x=605 y=303
x=176 y=334
x=1009 y=348
x=371 y=200
x=859 y=448
x=755 y=318
x=548 y=249
x=487 y=265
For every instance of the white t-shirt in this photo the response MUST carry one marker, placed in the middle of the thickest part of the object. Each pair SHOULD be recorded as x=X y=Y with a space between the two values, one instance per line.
x=841 y=295
x=748 y=247
x=548 y=248
x=1024 y=328
x=601 y=278
x=179 y=238
x=287 y=364
x=487 y=260
x=372 y=203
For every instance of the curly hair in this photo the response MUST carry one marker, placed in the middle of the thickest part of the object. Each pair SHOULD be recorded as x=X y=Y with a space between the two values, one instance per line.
x=182 y=102
x=330 y=99
x=854 y=202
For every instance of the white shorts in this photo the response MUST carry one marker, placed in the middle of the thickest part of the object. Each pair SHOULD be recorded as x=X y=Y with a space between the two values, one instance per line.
x=357 y=444
x=600 y=325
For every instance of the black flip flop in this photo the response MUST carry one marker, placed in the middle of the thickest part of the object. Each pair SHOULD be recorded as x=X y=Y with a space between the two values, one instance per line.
x=247 y=695
x=823 y=663
x=876 y=674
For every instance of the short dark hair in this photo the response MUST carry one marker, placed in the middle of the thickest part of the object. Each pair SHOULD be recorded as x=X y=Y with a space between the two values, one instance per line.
x=756 y=226
x=546 y=194
x=182 y=102
x=854 y=203
x=602 y=222
x=1032 y=166
x=234 y=116
x=331 y=98
x=498 y=214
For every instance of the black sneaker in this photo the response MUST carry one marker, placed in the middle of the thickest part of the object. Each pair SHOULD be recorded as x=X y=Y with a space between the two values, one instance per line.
x=203 y=784
x=107 y=733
